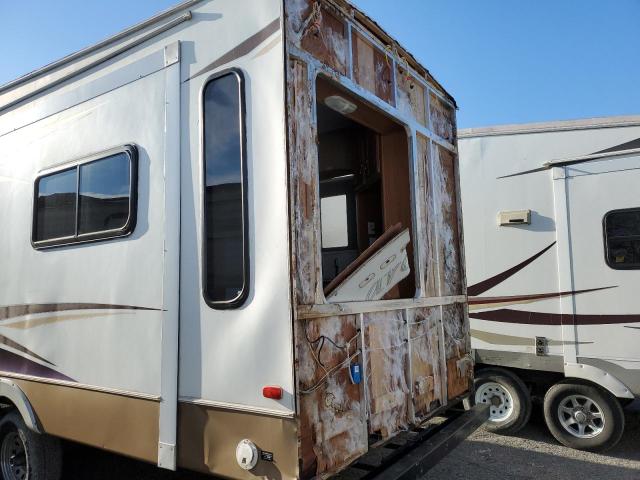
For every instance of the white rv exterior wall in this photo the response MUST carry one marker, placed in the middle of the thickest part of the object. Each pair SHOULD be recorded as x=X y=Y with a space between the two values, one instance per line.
x=568 y=204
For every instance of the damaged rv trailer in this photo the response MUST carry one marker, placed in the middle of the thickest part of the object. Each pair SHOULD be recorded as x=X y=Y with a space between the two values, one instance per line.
x=552 y=224
x=232 y=244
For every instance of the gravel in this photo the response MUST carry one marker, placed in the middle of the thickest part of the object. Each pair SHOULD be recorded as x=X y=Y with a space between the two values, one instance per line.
x=533 y=454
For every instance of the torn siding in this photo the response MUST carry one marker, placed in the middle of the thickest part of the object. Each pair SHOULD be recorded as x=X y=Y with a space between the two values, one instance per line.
x=333 y=427
x=414 y=359
x=304 y=187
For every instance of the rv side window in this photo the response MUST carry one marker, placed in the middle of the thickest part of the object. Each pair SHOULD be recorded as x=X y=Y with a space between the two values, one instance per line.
x=225 y=246
x=90 y=201
x=622 y=238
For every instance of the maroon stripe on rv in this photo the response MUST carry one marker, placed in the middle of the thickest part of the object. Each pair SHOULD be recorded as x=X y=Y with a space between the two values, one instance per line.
x=242 y=49
x=537 y=296
x=13 y=311
x=14 y=363
x=538 y=318
x=489 y=283
x=21 y=348
x=633 y=144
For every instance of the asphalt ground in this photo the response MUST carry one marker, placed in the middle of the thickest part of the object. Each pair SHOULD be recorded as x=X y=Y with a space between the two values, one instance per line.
x=533 y=454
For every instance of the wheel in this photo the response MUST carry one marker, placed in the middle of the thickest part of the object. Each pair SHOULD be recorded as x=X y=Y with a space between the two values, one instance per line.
x=508 y=399
x=26 y=455
x=583 y=416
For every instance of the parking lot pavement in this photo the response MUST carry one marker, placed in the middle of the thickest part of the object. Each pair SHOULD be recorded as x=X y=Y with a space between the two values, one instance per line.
x=533 y=454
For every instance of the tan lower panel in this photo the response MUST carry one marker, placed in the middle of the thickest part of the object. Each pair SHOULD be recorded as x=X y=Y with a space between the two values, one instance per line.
x=208 y=436
x=124 y=425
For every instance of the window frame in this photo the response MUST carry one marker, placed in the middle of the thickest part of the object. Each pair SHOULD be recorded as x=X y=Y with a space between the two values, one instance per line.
x=127 y=229
x=606 y=239
x=240 y=299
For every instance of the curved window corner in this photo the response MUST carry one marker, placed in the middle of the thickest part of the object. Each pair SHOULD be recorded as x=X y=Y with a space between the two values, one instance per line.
x=622 y=239
x=225 y=244
x=95 y=199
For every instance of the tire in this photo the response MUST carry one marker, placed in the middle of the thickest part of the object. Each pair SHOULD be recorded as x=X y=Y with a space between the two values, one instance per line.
x=508 y=398
x=598 y=428
x=38 y=456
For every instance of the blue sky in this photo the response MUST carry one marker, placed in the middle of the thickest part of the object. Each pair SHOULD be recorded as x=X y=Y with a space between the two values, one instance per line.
x=504 y=61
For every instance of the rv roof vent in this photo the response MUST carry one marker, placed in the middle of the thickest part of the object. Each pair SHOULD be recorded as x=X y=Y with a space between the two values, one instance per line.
x=340 y=104
x=514 y=217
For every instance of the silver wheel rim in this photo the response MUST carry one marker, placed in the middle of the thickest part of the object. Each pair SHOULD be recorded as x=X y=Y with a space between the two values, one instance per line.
x=498 y=398
x=581 y=416
x=13 y=458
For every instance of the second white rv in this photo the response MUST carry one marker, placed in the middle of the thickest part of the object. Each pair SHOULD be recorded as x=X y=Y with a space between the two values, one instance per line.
x=552 y=232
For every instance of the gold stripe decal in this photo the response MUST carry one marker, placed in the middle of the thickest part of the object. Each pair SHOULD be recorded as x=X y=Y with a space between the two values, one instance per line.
x=13 y=311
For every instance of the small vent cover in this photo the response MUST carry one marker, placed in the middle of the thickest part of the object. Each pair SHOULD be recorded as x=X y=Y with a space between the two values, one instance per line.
x=514 y=217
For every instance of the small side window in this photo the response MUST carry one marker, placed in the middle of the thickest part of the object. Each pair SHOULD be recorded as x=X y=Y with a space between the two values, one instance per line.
x=225 y=252
x=622 y=239
x=91 y=201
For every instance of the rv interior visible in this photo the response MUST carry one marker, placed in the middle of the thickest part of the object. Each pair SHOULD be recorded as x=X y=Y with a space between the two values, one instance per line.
x=365 y=187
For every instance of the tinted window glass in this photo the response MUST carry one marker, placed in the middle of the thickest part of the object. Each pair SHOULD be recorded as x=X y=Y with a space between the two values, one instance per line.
x=104 y=194
x=225 y=246
x=622 y=239
x=56 y=206
x=91 y=201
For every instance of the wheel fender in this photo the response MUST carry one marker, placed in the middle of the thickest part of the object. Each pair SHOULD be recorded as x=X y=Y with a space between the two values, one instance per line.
x=14 y=393
x=599 y=377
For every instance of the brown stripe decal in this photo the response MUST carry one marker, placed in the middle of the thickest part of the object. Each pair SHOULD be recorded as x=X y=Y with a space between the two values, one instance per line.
x=244 y=48
x=485 y=285
x=538 y=296
x=13 y=363
x=633 y=144
x=13 y=311
x=506 y=315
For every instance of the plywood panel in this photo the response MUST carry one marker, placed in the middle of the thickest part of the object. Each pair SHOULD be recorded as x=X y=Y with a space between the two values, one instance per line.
x=426 y=360
x=304 y=187
x=372 y=69
x=411 y=98
x=332 y=419
x=427 y=234
x=326 y=39
x=458 y=350
x=447 y=224
x=388 y=392
x=442 y=118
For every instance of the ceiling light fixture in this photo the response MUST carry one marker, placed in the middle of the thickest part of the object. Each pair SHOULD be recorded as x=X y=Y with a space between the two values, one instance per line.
x=340 y=104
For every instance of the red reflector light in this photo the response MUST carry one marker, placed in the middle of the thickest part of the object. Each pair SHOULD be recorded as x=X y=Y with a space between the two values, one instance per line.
x=272 y=392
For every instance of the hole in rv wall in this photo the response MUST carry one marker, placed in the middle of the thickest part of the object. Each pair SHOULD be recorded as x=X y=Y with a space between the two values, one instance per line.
x=364 y=174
